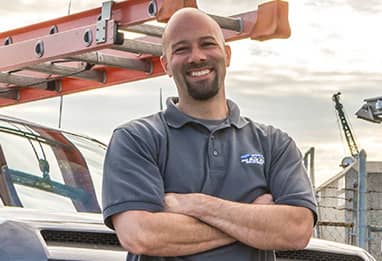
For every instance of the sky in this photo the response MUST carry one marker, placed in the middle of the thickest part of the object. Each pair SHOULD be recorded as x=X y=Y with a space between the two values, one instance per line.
x=334 y=46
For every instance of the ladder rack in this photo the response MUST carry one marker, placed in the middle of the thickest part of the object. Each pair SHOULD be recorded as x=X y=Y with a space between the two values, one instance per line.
x=91 y=49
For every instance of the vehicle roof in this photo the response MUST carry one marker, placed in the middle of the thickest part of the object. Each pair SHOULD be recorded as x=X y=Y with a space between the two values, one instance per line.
x=22 y=121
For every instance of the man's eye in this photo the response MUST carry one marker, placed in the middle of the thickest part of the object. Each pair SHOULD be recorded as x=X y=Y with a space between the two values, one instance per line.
x=180 y=49
x=209 y=44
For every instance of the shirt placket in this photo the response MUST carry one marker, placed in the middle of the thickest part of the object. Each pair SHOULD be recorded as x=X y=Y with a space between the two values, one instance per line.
x=216 y=165
x=216 y=153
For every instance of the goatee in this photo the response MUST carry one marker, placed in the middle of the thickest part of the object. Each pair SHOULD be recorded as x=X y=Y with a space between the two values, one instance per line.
x=203 y=91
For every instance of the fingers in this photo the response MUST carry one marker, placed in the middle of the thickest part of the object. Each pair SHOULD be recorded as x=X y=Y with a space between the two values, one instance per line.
x=264 y=199
x=170 y=202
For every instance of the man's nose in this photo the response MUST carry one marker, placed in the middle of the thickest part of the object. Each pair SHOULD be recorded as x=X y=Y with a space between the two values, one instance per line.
x=197 y=55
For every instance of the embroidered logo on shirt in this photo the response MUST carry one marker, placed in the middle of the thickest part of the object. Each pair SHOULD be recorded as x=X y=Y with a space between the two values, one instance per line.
x=252 y=158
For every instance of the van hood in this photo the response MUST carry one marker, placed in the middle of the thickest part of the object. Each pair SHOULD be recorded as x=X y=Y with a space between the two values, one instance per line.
x=38 y=216
x=28 y=234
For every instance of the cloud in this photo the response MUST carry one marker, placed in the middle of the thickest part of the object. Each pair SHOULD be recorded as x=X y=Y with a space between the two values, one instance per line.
x=47 y=6
x=301 y=81
x=20 y=13
x=228 y=7
x=372 y=6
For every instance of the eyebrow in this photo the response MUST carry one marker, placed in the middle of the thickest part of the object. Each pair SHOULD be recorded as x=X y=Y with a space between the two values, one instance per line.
x=186 y=42
x=208 y=38
x=179 y=43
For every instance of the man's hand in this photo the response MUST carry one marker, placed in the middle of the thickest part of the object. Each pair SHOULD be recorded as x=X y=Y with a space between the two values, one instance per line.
x=266 y=199
x=175 y=203
x=180 y=203
x=166 y=234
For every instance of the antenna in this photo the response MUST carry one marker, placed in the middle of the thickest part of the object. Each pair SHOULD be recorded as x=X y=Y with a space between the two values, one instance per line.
x=61 y=96
x=160 y=100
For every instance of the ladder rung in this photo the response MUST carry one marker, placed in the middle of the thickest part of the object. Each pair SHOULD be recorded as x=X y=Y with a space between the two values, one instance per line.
x=66 y=71
x=140 y=47
x=147 y=29
x=234 y=24
x=111 y=60
x=25 y=81
x=9 y=93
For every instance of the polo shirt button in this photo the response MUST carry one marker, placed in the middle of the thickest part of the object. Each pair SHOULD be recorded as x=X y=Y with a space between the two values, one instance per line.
x=215 y=153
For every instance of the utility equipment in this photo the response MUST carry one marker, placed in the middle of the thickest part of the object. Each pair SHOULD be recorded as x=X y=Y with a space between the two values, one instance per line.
x=353 y=148
x=92 y=49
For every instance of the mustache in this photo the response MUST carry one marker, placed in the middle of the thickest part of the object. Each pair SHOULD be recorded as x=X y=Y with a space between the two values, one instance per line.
x=194 y=65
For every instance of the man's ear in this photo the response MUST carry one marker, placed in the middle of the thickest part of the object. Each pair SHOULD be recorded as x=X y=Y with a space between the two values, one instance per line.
x=227 y=49
x=163 y=61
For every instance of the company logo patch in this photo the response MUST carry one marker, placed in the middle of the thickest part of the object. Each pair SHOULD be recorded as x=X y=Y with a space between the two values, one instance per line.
x=252 y=158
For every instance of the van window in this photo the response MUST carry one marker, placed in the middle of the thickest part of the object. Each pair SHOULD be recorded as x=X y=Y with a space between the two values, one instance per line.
x=50 y=169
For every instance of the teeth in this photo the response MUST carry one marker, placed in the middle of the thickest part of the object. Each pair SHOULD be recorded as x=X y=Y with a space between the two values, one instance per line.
x=200 y=73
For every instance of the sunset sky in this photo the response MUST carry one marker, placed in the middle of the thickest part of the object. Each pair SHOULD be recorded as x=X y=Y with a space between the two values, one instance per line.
x=335 y=46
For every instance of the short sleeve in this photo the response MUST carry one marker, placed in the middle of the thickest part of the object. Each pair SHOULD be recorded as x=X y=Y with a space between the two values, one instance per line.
x=289 y=182
x=132 y=179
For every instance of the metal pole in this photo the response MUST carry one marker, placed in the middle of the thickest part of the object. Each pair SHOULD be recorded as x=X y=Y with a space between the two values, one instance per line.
x=309 y=159
x=311 y=167
x=361 y=213
x=306 y=160
x=354 y=214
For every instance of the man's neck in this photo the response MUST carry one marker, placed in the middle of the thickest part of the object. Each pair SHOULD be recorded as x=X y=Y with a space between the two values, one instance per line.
x=215 y=108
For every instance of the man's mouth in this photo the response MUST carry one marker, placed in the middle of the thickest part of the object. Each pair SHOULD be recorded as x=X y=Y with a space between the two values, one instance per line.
x=199 y=73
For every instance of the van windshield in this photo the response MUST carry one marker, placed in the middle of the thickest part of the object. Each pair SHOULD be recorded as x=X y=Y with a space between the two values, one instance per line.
x=48 y=169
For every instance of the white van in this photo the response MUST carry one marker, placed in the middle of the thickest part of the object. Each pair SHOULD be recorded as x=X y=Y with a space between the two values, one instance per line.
x=50 y=183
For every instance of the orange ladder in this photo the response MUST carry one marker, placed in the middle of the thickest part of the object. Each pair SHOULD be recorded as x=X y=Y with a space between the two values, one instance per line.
x=90 y=49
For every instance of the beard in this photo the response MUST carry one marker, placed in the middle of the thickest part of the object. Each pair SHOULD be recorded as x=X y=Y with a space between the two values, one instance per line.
x=204 y=90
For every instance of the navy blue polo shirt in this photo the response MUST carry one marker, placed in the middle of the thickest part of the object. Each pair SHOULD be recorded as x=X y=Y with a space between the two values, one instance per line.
x=236 y=160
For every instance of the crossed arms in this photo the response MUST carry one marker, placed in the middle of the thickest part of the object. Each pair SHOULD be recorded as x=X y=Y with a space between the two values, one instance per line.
x=193 y=223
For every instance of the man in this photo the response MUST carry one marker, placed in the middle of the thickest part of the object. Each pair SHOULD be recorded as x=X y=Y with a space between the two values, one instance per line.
x=198 y=181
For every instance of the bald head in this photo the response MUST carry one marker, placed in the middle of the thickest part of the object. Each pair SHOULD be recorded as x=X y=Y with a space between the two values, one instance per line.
x=195 y=55
x=188 y=20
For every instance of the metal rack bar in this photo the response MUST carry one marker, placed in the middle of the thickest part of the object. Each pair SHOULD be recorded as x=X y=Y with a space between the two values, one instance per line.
x=79 y=73
x=139 y=47
x=143 y=65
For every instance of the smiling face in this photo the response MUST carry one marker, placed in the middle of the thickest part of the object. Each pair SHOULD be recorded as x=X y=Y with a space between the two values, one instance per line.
x=195 y=54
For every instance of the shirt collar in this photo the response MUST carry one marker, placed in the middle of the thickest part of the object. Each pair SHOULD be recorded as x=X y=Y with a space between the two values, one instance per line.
x=176 y=118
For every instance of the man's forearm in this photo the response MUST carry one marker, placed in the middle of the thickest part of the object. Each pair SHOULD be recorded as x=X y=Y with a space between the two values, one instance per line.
x=166 y=234
x=260 y=226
